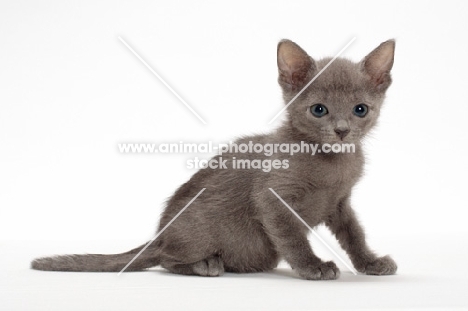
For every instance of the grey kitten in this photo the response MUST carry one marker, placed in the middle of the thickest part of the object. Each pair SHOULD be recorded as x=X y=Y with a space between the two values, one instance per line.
x=237 y=224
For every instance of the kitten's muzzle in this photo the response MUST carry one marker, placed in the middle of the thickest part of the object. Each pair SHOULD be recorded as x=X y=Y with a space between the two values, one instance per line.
x=342 y=132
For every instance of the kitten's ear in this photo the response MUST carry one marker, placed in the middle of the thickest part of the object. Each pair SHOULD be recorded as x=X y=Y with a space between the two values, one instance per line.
x=295 y=67
x=378 y=63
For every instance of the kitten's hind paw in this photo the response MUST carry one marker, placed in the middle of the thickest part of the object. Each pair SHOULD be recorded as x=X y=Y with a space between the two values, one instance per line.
x=212 y=266
x=382 y=266
x=324 y=271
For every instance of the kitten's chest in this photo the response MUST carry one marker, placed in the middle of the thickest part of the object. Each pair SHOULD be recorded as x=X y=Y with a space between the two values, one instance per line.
x=334 y=172
x=327 y=182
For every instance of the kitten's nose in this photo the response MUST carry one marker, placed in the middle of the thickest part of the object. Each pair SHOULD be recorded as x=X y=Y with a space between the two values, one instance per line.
x=342 y=129
x=342 y=132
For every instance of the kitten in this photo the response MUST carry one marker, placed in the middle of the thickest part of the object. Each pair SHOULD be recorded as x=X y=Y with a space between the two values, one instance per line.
x=237 y=224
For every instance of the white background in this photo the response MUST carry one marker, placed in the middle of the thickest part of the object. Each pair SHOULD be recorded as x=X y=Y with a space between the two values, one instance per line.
x=70 y=91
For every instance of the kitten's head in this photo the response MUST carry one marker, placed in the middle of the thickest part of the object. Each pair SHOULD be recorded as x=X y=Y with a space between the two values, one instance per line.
x=343 y=103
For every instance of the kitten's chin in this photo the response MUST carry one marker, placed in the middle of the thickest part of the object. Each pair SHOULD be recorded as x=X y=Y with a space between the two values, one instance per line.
x=340 y=146
x=338 y=141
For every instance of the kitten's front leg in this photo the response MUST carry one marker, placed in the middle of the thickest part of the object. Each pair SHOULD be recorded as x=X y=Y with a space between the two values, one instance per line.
x=290 y=240
x=350 y=234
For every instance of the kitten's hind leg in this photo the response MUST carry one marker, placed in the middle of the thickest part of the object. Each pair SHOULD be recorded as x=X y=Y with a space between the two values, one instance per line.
x=211 y=266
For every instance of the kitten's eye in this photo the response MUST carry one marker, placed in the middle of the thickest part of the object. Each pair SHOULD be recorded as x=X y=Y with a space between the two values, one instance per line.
x=360 y=110
x=318 y=110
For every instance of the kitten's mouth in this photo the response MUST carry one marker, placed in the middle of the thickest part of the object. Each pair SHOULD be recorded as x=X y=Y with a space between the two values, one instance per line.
x=338 y=141
x=333 y=138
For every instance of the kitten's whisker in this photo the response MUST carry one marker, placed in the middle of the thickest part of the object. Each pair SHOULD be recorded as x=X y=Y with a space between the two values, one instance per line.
x=313 y=79
x=160 y=232
x=314 y=233
x=162 y=81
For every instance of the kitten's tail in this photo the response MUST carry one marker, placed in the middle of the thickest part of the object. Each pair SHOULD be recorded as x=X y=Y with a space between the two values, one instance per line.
x=98 y=262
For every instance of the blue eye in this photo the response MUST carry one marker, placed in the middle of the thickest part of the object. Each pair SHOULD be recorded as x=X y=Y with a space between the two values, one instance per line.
x=360 y=110
x=318 y=110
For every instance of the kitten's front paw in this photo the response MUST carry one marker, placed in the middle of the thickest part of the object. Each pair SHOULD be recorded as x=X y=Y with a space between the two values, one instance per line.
x=381 y=266
x=324 y=271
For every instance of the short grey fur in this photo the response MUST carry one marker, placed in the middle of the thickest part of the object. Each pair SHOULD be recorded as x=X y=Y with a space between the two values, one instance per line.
x=237 y=224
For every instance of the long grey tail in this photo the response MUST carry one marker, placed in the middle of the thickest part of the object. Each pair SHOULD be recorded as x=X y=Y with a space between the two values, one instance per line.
x=99 y=262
